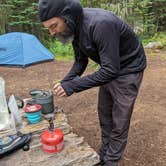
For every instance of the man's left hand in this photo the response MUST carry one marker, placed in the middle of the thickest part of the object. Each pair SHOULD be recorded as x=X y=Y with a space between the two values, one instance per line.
x=59 y=91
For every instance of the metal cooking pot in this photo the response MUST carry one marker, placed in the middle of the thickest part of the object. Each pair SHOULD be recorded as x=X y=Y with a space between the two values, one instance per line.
x=44 y=98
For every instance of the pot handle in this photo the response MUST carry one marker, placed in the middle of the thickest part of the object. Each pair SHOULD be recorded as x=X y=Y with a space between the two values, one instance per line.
x=35 y=92
x=20 y=102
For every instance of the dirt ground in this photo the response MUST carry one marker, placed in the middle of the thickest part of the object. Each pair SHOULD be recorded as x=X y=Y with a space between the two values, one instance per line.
x=147 y=136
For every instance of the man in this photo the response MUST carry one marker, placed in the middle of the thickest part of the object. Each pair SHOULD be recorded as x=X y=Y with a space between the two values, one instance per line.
x=105 y=38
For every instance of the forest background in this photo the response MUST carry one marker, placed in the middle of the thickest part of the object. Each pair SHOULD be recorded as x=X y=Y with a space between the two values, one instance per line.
x=146 y=17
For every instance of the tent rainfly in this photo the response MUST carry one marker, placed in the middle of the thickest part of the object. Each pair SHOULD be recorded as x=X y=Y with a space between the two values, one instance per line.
x=22 y=49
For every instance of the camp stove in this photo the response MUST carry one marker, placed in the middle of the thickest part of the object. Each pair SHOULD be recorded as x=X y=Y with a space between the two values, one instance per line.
x=52 y=138
x=50 y=118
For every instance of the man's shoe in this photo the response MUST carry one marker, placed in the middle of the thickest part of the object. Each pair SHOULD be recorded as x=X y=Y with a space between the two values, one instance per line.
x=99 y=164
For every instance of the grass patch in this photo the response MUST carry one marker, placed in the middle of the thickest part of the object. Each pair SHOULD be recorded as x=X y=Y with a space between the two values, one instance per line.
x=93 y=65
x=64 y=58
x=62 y=52
x=157 y=37
x=65 y=52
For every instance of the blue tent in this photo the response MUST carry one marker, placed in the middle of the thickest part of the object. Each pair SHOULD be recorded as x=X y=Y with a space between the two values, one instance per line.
x=22 y=49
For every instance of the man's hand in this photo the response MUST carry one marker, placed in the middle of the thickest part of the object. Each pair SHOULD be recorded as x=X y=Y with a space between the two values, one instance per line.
x=59 y=91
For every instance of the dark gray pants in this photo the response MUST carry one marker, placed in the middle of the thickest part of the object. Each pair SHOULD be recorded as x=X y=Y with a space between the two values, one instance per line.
x=115 y=106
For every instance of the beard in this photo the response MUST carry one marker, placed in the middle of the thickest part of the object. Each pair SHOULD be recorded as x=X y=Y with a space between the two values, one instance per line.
x=66 y=36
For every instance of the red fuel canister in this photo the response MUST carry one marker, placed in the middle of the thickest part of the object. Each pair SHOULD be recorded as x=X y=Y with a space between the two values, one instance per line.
x=52 y=141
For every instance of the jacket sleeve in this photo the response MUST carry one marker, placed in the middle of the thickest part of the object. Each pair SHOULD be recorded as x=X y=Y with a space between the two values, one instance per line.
x=106 y=36
x=77 y=69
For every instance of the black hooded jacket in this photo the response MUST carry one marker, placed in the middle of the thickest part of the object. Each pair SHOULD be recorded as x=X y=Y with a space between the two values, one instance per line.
x=70 y=10
x=106 y=39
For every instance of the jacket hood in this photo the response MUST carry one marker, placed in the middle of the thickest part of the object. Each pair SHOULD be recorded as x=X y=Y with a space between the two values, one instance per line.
x=70 y=10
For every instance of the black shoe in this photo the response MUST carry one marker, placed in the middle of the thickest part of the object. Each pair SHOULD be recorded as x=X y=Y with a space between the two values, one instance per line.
x=99 y=164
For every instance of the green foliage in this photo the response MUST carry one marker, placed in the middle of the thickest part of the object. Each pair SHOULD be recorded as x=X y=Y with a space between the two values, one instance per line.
x=157 y=37
x=147 y=17
x=1 y=31
x=62 y=51
x=93 y=65
x=20 y=15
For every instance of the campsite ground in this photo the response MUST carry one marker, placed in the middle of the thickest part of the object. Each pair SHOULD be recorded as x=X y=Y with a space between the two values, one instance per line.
x=147 y=137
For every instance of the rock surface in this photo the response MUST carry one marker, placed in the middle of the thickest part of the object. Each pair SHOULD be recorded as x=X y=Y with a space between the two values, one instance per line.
x=154 y=45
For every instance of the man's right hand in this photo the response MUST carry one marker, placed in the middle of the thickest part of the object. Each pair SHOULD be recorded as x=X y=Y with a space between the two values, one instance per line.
x=59 y=91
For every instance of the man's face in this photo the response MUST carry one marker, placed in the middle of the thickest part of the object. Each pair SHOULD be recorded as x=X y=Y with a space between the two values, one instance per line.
x=58 y=29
